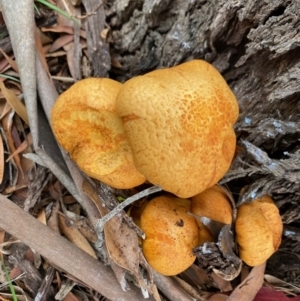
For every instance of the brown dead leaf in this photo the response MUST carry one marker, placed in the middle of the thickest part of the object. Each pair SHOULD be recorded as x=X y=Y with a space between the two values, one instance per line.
x=5 y=109
x=7 y=123
x=21 y=147
x=61 y=41
x=40 y=51
x=11 y=62
x=11 y=189
x=42 y=217
x=14 y=102
x=59 y=28
x=69 y=8
x=2 y=163
x=248 y=289
x=74 y=235
x=121 y=241
x=4 y=65
x=70 y=58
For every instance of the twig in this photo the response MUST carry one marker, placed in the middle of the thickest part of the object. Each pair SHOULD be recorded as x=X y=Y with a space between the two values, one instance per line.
x=100 y=224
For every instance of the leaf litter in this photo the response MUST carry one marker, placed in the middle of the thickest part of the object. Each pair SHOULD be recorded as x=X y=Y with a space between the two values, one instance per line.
x=29 y=184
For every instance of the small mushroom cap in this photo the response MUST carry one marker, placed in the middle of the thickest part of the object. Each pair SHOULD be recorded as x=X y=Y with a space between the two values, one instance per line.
x=254 y=236
x=171 y=234
x=271 y=213
x=179 y=124
x=258 y=230
x=214 y=204
x=86 y=125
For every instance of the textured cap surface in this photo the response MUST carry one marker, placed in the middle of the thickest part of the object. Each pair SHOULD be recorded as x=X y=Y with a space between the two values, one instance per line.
x=171 y=234
x=86 y=125
x=179 y=124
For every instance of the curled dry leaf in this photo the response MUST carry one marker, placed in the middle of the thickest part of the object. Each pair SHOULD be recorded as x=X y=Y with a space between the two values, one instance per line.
x=14 y=102
x=120 y=240
x=74 y=235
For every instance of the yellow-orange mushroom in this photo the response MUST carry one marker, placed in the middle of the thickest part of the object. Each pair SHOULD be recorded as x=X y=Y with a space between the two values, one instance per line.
x=258 y=230
x=85 y=123
x=179 y=124
x=171 y=234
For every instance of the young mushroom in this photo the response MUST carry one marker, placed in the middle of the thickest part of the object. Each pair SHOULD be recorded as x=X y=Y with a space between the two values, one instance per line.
x=213 y=203
x=85 y=123
x=171 y=234
x=179 y=123
x=258 y=230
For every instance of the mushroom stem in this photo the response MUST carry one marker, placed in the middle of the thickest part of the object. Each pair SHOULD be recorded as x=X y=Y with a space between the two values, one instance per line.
x=101 y=222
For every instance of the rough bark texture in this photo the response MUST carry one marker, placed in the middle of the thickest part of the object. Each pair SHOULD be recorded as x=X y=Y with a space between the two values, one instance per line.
x=255 y=45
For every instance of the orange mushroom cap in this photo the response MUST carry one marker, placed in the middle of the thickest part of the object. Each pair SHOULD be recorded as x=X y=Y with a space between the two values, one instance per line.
x=213 y=203
x=171 y=234
x=179 y=124
x=85 y=123
x=258 y=230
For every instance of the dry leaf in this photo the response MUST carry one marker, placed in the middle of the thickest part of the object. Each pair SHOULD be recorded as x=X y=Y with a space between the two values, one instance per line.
x=11 y=62
x=2 y=163
x=61 y=41
x=14 y=102
x=7 y=125
x=21 y=147
x=269 y=294
x=70 y=59
x=121 y=241
x=40 y=51
x=247 y=290
x=5 y=110
x=74 y=235
x=42 y=217
x=59 y=28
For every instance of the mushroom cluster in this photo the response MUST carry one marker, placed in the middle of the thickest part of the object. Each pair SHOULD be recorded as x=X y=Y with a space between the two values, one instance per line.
x=172 y=127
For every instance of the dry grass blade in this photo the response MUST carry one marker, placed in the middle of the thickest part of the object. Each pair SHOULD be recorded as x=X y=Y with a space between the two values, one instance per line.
x=14 y=102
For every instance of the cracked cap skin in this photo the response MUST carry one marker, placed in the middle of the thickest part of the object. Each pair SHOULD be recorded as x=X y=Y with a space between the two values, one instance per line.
x=179 y=124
